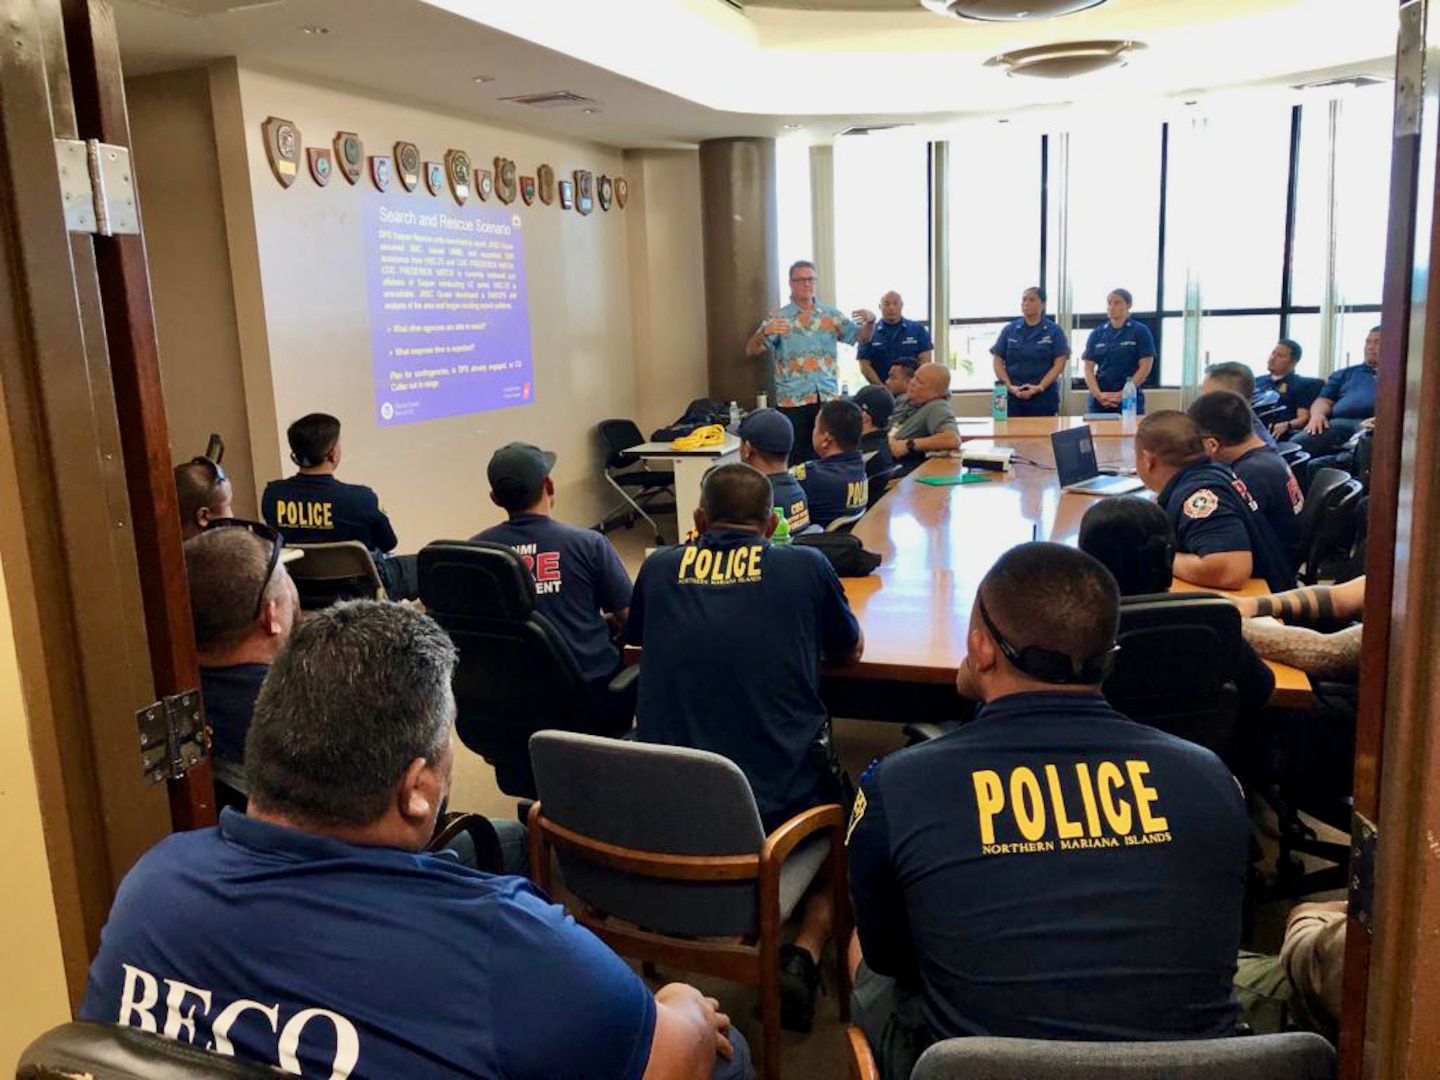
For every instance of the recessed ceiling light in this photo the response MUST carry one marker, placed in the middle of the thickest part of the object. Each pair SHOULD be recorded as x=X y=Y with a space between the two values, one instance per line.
x=1008 y=10
x=793 y=127
x=591 y=112
x=1066 y=60
x=312 y=28
x=483 y=78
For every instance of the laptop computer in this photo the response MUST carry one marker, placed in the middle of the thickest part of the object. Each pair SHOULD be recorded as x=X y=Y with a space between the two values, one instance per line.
x=1078 y=470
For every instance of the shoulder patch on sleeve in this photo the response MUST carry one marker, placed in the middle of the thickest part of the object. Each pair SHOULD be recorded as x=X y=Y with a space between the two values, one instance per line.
x=1201 y=504
x=798 y=471
x=855 y=815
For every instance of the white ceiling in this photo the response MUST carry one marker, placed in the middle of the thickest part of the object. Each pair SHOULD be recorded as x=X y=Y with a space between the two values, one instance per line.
x=674 y=72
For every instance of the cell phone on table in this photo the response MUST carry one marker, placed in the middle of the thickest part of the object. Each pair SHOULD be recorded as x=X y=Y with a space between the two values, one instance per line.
x=215 y=448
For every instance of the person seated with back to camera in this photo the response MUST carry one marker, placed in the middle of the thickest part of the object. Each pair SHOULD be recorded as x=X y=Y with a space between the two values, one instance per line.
x=1227 y=428
x=581 y=586
x=835 y=484
x=734 y=630
x=1221 y=537
x=1238 y=379
x=313 y=507
x=314 y=933
x=1050 y=870
x=243 y=606
x=766 y=437
x=202 y=494
x=925 y=423
x=1132 y=538
x=877 y=406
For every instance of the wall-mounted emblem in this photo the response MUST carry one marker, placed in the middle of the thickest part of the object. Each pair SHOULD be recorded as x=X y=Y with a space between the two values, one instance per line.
x=282 y=147
x=349 y=155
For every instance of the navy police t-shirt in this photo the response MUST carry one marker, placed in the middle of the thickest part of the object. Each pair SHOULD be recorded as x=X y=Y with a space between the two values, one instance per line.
x=577 y=576
x=834 y=487
x=318 y=509
x=733 y=630
x=329 y=959
x=1054 y=871
x=229 y=695
x=1276 y=491
x=1212 y=511
x=1295 y=392
x=789 y=499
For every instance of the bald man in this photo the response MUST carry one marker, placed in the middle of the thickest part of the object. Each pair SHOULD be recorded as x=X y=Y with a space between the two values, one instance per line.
x=924 y=423
x=895 y=338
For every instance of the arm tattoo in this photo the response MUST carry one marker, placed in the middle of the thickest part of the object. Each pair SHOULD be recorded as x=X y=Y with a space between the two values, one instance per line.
x=1310 y=604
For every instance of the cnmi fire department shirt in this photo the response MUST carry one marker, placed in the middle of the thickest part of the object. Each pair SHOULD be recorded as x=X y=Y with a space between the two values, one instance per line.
x=1054 y=871
x=318 y=509
x=1212 y=511
x=332 y=960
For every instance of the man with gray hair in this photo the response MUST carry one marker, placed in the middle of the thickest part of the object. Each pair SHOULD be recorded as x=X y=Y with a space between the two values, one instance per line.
x=314 y=934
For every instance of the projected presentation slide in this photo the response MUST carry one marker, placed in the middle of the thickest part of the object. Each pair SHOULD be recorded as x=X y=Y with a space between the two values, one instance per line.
x=449 y=322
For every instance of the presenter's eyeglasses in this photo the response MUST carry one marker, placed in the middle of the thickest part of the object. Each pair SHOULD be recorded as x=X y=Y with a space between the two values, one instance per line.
x=214 y=466
x=270 y=536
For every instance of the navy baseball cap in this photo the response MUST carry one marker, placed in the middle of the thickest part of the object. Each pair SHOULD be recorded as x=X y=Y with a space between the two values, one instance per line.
x=768 y=431
x=878 y=402
x=517 y=471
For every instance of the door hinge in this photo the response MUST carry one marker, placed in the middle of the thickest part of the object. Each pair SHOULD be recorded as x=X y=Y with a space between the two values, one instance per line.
x=1364 y=840
x=97 y=186
x=173 y=739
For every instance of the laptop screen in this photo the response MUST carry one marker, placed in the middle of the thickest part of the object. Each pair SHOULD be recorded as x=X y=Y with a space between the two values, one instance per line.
x=1074 y=455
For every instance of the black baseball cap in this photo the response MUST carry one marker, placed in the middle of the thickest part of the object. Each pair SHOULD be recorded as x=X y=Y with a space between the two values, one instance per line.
x=517 y=471
x=768 y=431
x=878 y=402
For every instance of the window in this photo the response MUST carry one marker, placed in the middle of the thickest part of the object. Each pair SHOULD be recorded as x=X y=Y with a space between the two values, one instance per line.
x=1246 y=338
x=882 y=222
x=1363 y=142
x=970 y=346
x=794 y=236
x=1113 y=184
x=995 y=205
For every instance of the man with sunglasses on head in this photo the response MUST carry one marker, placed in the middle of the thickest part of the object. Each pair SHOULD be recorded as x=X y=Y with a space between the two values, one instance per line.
x=1050 y=870
x=244 y=606
x=202 y=494
x=313 y=507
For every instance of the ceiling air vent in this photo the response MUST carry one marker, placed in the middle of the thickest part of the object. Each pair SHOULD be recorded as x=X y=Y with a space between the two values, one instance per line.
x=1066 y=60
x=551 y=99
x=1344 y=80
x=1008 y=10
x=866 y=129
x=199 y=9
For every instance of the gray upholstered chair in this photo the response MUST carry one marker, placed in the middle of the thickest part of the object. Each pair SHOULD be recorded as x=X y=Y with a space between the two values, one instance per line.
x=110 y=1052
x=663 y=849
x=1294 y=1056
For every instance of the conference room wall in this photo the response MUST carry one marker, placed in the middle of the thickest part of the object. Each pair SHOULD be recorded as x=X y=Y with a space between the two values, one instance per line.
x=297 y=258
x=971 y=403
x=177 y=174
x=33 y=994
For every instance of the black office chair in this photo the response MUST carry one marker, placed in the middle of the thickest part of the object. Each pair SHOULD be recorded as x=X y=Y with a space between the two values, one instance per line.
x=1267 y=407
x=626 y=474
x=111 y=1052
x=880 y=483
x=1177 y=664
x=516 y=675
x=1329 y=525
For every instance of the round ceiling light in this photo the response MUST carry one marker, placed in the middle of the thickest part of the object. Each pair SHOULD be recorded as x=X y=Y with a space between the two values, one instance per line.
x=1009 y=10
x=1067 y=59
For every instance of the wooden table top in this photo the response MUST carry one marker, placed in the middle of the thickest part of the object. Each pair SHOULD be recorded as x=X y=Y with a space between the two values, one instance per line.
x=1037 y=427
x=937 y=544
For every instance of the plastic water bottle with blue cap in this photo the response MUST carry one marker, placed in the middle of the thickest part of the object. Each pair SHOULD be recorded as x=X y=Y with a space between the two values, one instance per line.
x=1129 y=406
x=735 y=417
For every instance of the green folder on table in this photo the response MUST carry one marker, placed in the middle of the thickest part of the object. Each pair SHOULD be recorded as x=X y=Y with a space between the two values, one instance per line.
x=951 y=481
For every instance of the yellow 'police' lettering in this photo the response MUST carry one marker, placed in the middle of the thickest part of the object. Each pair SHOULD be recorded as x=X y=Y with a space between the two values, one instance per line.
x=703 y=562
x=1029 y=806
x=687 y=558
x=990 y=798
x=706 y=566
x=304 y=515
x=1063 y=825
x=856 y=494
x=1117 y=811
x=1087 y=796
x=1144 y=796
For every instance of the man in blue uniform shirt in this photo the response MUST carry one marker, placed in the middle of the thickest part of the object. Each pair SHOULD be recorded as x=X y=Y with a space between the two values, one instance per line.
x=312 y=507
x=315 y=935
x=1296 y=393
x=835 y=483
x=895 y=338
x=1347 y=399
x=734 y=631
x=1120 y=351
x=1050 y=870
x=580 y=584
x=1238 y=379
x=1227 y=430
x=765 y=441
x=1222 y=539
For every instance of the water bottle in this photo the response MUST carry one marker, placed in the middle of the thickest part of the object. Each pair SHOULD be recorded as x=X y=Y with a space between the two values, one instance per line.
x=1000 y=403
x=781 y=535
x=734 y=416
x=762 y=400
x=1129 y=405
x=845 y=390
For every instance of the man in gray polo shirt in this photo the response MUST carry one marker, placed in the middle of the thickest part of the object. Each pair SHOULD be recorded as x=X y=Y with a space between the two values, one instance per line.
x=924 y=422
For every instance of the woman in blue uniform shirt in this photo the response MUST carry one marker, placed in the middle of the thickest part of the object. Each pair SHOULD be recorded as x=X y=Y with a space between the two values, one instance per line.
x=1030 y=357
x=1121 y=349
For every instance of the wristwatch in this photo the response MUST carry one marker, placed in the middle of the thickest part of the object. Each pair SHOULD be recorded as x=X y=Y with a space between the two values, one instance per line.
x=909 y=447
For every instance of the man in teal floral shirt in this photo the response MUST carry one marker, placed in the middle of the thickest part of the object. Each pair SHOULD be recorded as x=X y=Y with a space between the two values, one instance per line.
x=801 y=338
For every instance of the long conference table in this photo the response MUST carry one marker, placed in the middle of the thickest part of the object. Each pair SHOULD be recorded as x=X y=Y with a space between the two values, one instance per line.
x=937 y=543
